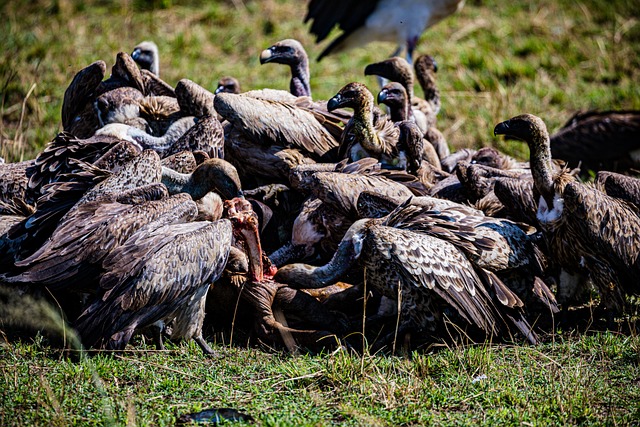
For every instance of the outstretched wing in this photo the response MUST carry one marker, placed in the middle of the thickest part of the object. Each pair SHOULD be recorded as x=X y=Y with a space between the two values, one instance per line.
x=347 y=15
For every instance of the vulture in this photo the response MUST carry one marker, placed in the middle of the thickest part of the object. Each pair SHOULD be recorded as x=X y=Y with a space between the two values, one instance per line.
x=228 y=84
x=600 y=140
x=266 y=138
x=361 y=22
x=290 y=52
x=147 y=56
x=331 y=208
x=394 y=96
x=157 y=276
x=620 y=186
x=14 y=184
x=585 y=229
x=369 y=133
x=428 y=277
x=398 y=70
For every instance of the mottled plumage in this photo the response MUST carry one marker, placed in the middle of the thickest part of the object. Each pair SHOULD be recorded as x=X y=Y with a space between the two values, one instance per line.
x=90 y=183
x=194 y=100
x=207 y=135
x=121 y=105
x=264 y=139
x=276 y=123
x=14 y=183
x=427 y=274
x=71 y=258
x=59 y=155
x=367 y=134
x=620 y=186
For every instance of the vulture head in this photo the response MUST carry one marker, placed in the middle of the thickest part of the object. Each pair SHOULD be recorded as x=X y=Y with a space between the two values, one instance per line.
x=354 y=95
x=146 y=56
x=288 y=52
x=228 y=85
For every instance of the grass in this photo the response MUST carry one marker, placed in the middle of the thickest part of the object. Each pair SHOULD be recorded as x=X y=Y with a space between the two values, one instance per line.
x=593 y=379
x=496 y=59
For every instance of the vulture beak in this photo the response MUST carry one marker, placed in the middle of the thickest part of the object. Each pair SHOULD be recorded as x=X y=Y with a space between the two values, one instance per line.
x=266 y=56
x=136 y=53
x=501 y=128
x=372 y=70
x=219 y=89
x=335 y=102
x=382 y=96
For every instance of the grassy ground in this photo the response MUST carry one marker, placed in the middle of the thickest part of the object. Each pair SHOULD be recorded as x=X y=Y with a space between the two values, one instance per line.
x=496 y=59
x=589 y=380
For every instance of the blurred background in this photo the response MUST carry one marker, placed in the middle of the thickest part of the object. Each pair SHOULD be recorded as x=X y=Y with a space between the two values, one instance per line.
x=495 y=58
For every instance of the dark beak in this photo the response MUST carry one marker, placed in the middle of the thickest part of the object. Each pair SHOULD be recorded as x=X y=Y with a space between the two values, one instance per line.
x=335 y=102
x=373 y=70
x=501 y=128
x=136 y=54
x=219 y=89
x=382 y=96
x=435 y=66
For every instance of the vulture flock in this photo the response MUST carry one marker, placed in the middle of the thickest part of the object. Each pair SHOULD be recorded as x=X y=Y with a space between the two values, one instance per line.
x=179 y=212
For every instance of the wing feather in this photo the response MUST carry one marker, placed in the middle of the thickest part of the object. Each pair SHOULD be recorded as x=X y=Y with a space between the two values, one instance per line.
x=430 y=263
x=147 y=282
x=275 y=123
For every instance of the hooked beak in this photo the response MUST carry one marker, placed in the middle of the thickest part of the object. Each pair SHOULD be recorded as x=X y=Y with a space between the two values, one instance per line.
x=501 y=128
x=373 y=70
x=136 y=53
x=382 y=96
x=335 y=102
x=266 y=56
x=219 y=89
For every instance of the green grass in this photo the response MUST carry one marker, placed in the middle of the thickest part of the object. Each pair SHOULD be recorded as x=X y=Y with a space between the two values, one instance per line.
x=589 y=380
x=496 y=59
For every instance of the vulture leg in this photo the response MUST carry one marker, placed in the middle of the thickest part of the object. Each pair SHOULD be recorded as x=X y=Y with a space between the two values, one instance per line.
x=156 y=333
x=204 y=346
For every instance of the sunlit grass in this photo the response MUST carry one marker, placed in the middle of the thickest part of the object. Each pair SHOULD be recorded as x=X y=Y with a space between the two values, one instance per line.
x=587 y=380
x=496 y=59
